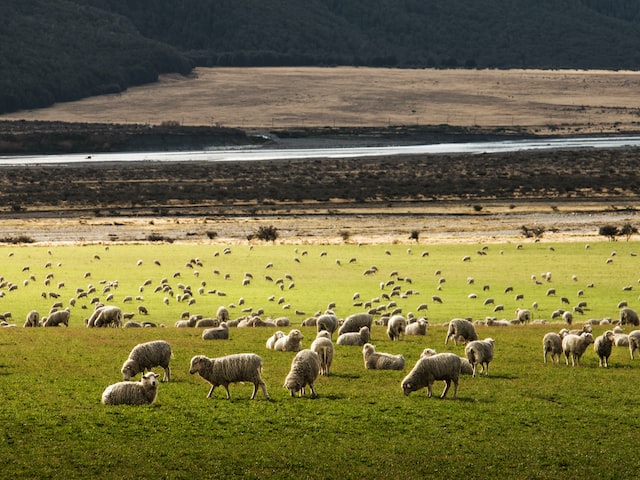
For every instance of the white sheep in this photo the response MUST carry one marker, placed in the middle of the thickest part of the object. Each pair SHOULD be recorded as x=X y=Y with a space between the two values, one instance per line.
x=620 y=340
x=567 y=317
x=355 y=339
x=33 y=319
x=396 y=327
x=145 y=356
x=461 y=329
x=627 y=315
x=603 y=346
x=292 y=342
x=328 y=322
x=238 y=367
x=634 y=342
x=305 y=368
x=380 y=361
x=56 y=318
x=417 y=328
x=428 y=369
x=574 y=346
x=480 y=352
x=207 y=323
x=552 y=344
x=105 y=316
x=271 y=341
x=353 y=323
x=132 y=393
x=222 y=314
x=323 y=346
x=523 y=315
x=216 y=333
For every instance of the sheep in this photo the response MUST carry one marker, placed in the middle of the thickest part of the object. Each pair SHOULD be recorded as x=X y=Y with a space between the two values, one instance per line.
x=145 y=356
x=291 y=342
x=238 y=367
x=428 y=369
x=396 y=327
x=417 y=328
x=207 y=323
x=480 y=352
x=574 y=346
x=461 y=330
x=132 y=393
x=603 y=346
x=105 y=316
x=305 y=368
x=627 y=315
x=380 y=361
x=216 y=333
x=355 y=339
x=552 y=344
x=271 y=341
x=634 y=342
x=621 y=340
x=222 y=314
x=56 y=318
x=323 y=346
x=567 y=317
x=523 y=315
x=33 y=319
x=354 y=322
x=328 y=322
x=132 y=324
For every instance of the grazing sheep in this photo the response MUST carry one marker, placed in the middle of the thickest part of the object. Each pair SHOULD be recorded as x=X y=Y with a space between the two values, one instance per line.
x=567 y=317
x=355 y=339
x=271 y=341
x=145 y=356
x=33 y=319
x=417 y=328
x=523 y=315
x=105 y=316
x=323 y=346
x=305 y=368
x=630 y=316
x=461 y=330
x=238 y=367
x=327 y=322
x=552 y=344
x=428 y=369
x=574 y=346
x=603 y=346
x=291 y=342
x=222 y=314
x=380 y=361
x=56 y=318
x=216 y=333
x=634 y=342
x=396 y=327
x=480 y=352
x=354 y=322
x=132 y=393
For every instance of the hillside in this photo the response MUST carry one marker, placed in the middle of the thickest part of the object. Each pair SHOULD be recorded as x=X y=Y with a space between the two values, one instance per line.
x=60 y=50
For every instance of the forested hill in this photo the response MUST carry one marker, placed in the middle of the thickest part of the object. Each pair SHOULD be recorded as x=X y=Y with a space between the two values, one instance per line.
x=57 y=50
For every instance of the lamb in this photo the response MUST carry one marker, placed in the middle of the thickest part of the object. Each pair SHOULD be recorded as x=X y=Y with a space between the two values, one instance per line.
x=56 y=318
x=603 y=346
x=523 y=315
x=552 y=344
x=574 y=346
x=145 y=356
x=428 y=369
x=396 y=327
x=462 y=330
x=132 y=393
x=417 y=328
x=634 y=342
x=323 y=346
x=380 y=361
x=33 y=319
x=305 y=368
x=328 y=322
x=480 y=352
x=238 y=367
x=353 y=323
x=291 y=342
x=216 y=333
x=105 y=316
x=627 y=315
x=355 y=339
x=271 y=341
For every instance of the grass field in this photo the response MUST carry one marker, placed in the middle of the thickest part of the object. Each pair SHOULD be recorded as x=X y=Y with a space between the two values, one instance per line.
x=526 y=420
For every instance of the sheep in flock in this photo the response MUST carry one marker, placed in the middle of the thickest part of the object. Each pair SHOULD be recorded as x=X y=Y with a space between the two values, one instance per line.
x=56 y=318
x=428 y=369
x=396 y=327
x=145 y=356
x=355 y=339
x=239 y=367
x=132 y=393
x=627 y=315
x=380 y=361
x=461 y=329
x=523 y=315
x=603 y=346
x=417 y=328
x=323 y=346
x=222 y=314
x=305 y=368
x=105 y=316
x=216 y=333
x=328 y=322
x=480 y=352
x=634 y=342
x=271 y=341
x=33 y=319
x=291 y=342
x=574 y=346
x=353 y=323
x=552 y=344
x=207 y=323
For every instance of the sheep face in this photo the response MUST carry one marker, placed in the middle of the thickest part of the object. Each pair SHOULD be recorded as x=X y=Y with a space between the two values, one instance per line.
x=195 y=364
x=128 y=370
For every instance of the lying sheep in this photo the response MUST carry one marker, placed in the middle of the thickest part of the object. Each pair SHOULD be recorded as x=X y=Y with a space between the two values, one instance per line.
x=417 y=328
x=145 y=356
x=480 y=352
x=271 y=341
x=355 y=339
x=627 y=315
x=380 y=361
x=33 y=319
x=207 y=323
x=239 y=367
x=291 y=342
x=305 y=368
x=396 y=327
x=323 y=346
x=428 y=369
x=56 y=318
x=216 y=333
x=461 y=329
x=552 y=344
x=353 y=323
x=634 y=342
x=574 y=346
x=603 y=346
x=327 y=322
x=132 y=393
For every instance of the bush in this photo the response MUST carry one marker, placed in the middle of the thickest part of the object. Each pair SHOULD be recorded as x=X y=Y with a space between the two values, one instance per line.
x=17 y=239
x=609 y=231
x=266 y=233
x=154 y=237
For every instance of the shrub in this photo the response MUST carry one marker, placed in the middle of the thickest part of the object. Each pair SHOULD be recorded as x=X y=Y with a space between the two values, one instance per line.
x=266 y=233
x=609 y=231
x=17 y=239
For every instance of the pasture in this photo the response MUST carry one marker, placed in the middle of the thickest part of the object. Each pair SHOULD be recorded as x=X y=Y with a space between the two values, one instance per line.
x=525 y=420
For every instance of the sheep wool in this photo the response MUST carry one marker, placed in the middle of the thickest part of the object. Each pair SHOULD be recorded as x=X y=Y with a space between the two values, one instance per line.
x=417 y=328
x=305 y=368
x=291 y=342
x=380 y=361
x=323 y=346
x=327 y=322
x=353 y=323
x=552 y=345
x=574 y=346
x=355 y=339
x=428 y=369
x=461 y=330
x=106 y=316
x=480 y=352
x=146 y=356
x=396 y=327
x=132 y=393
x=271 y=341
x=238 y=367
x=57 y=318
x=217 y=333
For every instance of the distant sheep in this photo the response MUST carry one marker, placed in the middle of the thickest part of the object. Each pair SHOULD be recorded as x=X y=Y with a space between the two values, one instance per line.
x=480 y=352
x=574 y=346
x=523 y=315
x=396 y=327
x=567 y=317
x=380 y=361
x=132 y=393
x=216 y=333
x=353 y=323
x=323 y=346
x=327 y=322
x=222 y=314
x=105 y=316
x=417 y=328
x=305 y=368
x=461 y=330
x=207 y=323
x=428 y=369
x=292 y=342
x=627 y=315
x=355 y=339
x=634 y=342
x=145 y=356
x=552 y=345
x=603 y=346
x=57 y=318
x=33 y=319
x=239 y=367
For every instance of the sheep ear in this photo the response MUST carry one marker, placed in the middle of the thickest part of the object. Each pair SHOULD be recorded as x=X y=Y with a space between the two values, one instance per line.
x=156 y=375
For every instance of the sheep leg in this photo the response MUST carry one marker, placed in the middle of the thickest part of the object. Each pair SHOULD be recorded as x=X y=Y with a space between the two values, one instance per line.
x=226 y=387
x=429 y=390
x=446 y=388
x=313 y=392
x=167 y=374
x=455 y=388
x=264 y=389
x=255 y=390
x=486 y=369
x=211 y=391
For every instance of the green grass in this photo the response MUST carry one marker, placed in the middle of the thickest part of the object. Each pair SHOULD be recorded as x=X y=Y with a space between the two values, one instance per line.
x=526 y=420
